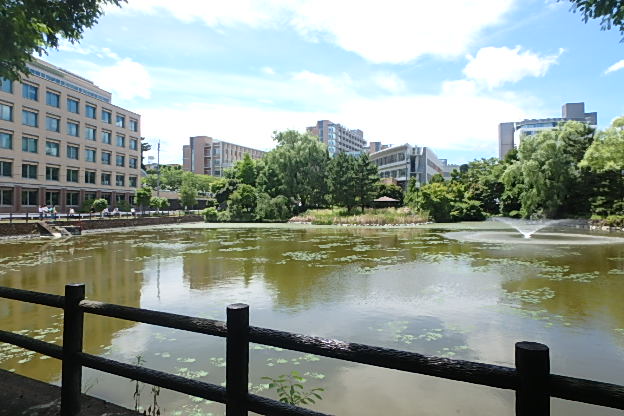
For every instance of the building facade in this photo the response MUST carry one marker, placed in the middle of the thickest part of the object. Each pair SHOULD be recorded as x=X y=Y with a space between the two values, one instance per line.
x=62 y=142
x=338 y=138
x=407 y=161
x=208 y=156
x=510 y=134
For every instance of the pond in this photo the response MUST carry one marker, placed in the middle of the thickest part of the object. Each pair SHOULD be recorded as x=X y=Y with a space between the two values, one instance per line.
x=418 y=289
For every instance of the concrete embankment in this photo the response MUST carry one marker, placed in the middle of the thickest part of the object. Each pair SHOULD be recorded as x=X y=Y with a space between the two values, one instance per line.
x=21 y=395
x=26 y=229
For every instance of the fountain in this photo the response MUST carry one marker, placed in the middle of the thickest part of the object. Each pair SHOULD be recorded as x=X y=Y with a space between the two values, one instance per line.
x=529 y=232
x=527 y=227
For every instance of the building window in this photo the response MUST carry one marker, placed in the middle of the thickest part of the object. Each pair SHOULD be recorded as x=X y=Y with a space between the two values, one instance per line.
x=134 y=125
x=133 y=162
x=73 y=106
x=53 y=99
x=120 y=180
x=89 y=196
x=29 y=171
x=29 y=118
x=120 y=160
x=29 y=144
x=6 y=141
x=90 y=133
x=73 y=129
x=30 y=197
x=53 y=124
x=134 y=144
x=6 y=112
x=120 y=121
x=107 y=116
x=53 y=149
x=106 y=179
x=90 y=111
x=90 y=155
x=71 y=198
x=52 y=173
x=6 y=168
x=52 y=198
x=6 y=197
x=89 y=176
x=30 y=92
x=72 y=175
x=106 y=158
x=132 y=181
x=106 y=137
x=121 y=140
x=6 y=85
x=72 y=152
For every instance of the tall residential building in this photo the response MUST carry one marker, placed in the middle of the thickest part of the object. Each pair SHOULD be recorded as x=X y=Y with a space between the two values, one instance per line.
x=208 y=156
x=62 y=142
x=407 y=161
x=338 y=138
x=510 y=134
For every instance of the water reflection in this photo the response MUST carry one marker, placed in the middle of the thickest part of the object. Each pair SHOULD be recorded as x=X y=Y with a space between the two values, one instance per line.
x=411 y=289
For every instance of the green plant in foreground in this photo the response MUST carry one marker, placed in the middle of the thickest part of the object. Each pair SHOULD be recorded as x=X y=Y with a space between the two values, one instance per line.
x=290 y=389
x=154 y=408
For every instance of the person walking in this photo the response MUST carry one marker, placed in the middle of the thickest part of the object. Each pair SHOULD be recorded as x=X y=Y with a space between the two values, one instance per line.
x=41 y=212
x=53 y=212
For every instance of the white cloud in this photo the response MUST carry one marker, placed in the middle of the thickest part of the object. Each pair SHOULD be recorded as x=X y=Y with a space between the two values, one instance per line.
x=615 y=67
x=389 y=82
x=493 y=67
x=395 y=31
x=126 y=79
x=460 y=117
x=268 y=70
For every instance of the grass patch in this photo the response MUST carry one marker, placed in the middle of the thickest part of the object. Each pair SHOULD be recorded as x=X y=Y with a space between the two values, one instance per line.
x=371 y=216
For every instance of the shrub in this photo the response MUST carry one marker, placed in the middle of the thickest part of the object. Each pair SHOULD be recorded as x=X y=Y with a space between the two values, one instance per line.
x=86 y=205
x=614 y=221
x=223 y=216
x=123 y=206
x=210 y=214
x=99 y=204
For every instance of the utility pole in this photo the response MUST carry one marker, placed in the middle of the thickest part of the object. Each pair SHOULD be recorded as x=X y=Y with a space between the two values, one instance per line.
x=158 y=164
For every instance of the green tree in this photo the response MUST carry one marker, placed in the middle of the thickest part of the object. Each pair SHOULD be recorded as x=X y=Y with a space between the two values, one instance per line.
x=145 y=147
x=390 y=190
x=606 y=153
x=222 y=189
x=269 y=179
x=342 y=181
x=366 y=179
x=482 y=179
x=143 y=196
x=245 y=170
x=188 y=196
x=547 y=170
x=610 y=12
x=31 y=26
x=411 y=193
x=242 y=203
x=99 y=204
x=159 y=203
x=300 y=161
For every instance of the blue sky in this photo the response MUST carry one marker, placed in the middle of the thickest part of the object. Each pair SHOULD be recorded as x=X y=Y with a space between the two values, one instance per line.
x=438 y=74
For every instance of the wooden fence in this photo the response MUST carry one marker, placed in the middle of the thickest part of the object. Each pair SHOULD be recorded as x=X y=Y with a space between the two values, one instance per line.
x=531 y=378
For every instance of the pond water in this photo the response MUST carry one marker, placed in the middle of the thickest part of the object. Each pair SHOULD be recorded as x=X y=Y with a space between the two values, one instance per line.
x=418 y=289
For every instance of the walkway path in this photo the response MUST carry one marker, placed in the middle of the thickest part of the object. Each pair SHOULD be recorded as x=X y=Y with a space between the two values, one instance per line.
x=20 y=395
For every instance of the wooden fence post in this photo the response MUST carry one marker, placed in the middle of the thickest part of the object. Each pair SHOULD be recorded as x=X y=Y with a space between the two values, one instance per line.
x=533 y=367
x=237 y=359
x=73 y=323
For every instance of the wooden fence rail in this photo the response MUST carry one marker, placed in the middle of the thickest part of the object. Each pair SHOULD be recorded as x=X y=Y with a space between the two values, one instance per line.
x=531 y=378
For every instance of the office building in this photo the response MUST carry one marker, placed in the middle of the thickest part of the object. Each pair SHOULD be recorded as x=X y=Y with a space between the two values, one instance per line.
x=448 y=168
x=62 y=142
x=376 y=147
x=338 y=138
x=208 y=156
x=510 y=134
x=407 y=161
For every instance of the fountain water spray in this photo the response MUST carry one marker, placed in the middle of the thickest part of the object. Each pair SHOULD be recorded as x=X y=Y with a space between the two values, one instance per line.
x=527 y=227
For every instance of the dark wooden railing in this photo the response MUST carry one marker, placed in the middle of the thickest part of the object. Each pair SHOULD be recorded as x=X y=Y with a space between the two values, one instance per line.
x=531 y=377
